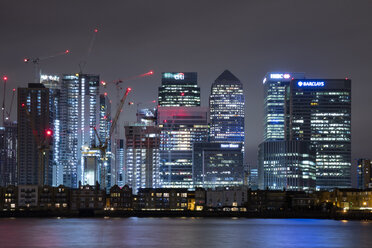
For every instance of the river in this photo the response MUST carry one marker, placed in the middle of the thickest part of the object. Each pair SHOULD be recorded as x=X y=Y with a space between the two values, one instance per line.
x=183 y=232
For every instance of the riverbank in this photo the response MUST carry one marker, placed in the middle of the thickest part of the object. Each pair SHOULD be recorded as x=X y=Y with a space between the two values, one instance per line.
x=338 y=215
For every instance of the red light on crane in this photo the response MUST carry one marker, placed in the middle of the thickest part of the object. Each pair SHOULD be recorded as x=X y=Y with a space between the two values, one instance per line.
x=182 y=93
x=129 y=89
x=48 y=132
x=5 y=78
x=67 y=51
x=23 y=105
x=151 y=72
x=95 y=30
x=105 y=93
x=154 y=101
x=14 y=90
x=26 y=60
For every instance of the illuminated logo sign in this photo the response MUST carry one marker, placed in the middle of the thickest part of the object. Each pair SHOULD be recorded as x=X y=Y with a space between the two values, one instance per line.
x=49 y=77
x=176 y=76
x=229 y=146
x=310 y=83
x=280 y=76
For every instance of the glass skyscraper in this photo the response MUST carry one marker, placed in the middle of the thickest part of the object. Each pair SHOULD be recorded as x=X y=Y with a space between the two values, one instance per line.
x=180 y=128
x=179 y=89
x=319 y=112
x=226 y=104
x=79 y=115
x=274 y=99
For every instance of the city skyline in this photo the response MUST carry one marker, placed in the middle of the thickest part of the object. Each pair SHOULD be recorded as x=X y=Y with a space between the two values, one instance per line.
x=162 y=47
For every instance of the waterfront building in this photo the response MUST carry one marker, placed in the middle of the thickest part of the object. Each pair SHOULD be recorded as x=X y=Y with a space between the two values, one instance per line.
x=179 y=89
x=217 y=165
x=28 y=196
x=35 y=128
x=142 y=157
x=121 y=198
x=319 y=112
x=288 y=165
x=364 y=176
x=79 y=115
x=226 y=197
x=180 y=128
x=88 y=197
x=8 y=154
x=226 y=106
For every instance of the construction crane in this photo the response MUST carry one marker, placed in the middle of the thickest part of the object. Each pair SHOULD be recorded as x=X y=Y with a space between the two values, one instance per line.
x=5 y=78
x=36 y=62
x=103 y=144
x=43 y=146
x=11 y=106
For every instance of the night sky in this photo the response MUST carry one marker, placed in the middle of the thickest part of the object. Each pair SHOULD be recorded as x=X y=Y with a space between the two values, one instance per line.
x=329 y=39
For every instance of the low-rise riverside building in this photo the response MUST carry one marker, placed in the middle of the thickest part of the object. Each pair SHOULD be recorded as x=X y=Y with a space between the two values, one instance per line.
x=226 y=197
x=120 y=198
x=165 y=199
x=28 y=196
x=88 y=197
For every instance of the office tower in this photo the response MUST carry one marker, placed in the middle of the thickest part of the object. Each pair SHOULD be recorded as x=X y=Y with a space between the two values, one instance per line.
x=217 y=164
x=79 y=115
x=52 y=82
x=35 y=128
x=364 y=170
x=179 y=89
x=142 y=156
x=274 y=100
x=8 y=154
x=319 y=112
x=120 y=162
x=282 y=163
x=226 y=104
x=180 y=128
x=287 y=165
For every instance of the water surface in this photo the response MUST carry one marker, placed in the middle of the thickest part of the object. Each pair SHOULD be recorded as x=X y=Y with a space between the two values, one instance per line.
x=183 y=232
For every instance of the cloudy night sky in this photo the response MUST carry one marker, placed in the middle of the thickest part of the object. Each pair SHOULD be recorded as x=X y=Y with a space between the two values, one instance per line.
x=324 y=39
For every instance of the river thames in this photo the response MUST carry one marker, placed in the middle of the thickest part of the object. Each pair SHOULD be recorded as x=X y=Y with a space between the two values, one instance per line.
x=183 y=232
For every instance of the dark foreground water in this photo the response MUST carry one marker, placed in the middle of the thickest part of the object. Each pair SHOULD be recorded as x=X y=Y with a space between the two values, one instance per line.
x=184 y=232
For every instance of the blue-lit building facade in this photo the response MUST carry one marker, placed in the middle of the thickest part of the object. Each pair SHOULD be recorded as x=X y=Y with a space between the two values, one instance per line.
x=287 y=165
x=120 y=162
x=180 y=128
x=179 y=89
x=79 y=115
x=8 y=154
x=217 y=164
x=275 y=84
x=226 y=106
x=319 y=112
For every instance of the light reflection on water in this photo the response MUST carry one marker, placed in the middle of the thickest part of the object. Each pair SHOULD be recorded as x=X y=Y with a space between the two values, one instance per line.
x=183 y=232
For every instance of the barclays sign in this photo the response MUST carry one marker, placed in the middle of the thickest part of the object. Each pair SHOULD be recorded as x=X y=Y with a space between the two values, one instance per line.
x=310 y=83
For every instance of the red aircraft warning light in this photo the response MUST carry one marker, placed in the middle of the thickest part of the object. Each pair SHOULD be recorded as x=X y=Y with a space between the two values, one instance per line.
x=95 y=30
x=23 y=105
x=48 y=132
x=182 y=93
x=5 y=78
x=67 y=51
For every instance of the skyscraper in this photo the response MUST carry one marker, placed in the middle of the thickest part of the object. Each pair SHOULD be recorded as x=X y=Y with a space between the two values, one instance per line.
x=226 y=104
x=282 y=163
x=180 y=128
x=319 y=112
x=274 y=100
x=35 y=125
x=79 y=115
x=142 y=156
x=179 y=89
x=8 y=154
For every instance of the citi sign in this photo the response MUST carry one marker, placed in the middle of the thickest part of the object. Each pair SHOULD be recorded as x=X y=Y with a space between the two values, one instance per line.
x=176 y=76
x=310 y=83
